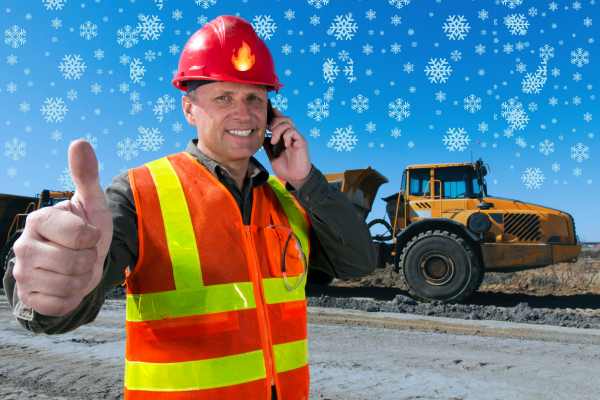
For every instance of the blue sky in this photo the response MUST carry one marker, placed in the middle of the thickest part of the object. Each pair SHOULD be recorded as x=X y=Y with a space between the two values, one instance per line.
x=381 y=84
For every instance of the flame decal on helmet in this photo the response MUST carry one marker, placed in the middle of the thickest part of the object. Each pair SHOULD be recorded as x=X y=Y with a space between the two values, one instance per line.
x=244 y=59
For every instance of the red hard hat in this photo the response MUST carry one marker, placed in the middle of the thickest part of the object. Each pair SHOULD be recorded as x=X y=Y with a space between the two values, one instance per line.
x=226 y=49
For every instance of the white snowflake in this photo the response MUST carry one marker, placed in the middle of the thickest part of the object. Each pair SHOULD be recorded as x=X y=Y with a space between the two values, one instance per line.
x=177 y=14
x=440 y=96
x=96 y=88
x=286 y=49
x=72 y=66
x=56 y=23
x=318 y=3
x=280 y=102
x=159 y=4
x=149 y=139
x=127 y=36
x=395 y=20
x=54 y=5
x=343 y=27
x=343 y=139
x=54 y=109
x=398 y=3
x=370 y=127
x=206 y=3
x=514 y=114
x=456 y=55
x=15 y=149
x=472 y=103
x=330 y=70
x=136 y=70
x=360 y=104
x=438 y=70
x=517 y=24
x=456 y=27
x=396 y=133
x=66 y=180
x=512 y=3
x=177 y=127
x=399 y=109
x=546 y=53
x=264 y=26
x=349 y=71
x=483 y=127
x=580 y=152
x=56 y=135
x=314 y=20
x=580 y=57
x=533 y=83
x=150 y=27
x=127 y=149
x=72 y=94
x=370 y=14
x=289 y=14
x=521 y=142
x=315 y=132
x=164 y=105
x=555 y=167
x=546 y=147
x=88 y=30
x=456 y=139
x=318 y=110
x=395 y=48
x=533 y=178
x=15 y=36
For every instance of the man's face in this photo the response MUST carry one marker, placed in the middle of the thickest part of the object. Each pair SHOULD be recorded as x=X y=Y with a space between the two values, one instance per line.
x=230 y=119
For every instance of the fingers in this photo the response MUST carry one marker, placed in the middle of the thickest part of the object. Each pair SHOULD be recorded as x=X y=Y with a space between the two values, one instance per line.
x=37 y=254
x=46 y=304
x=62 y=227
x=83 y=165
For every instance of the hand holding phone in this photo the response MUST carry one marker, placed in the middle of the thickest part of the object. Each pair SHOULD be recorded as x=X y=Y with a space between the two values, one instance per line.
x=273 y=150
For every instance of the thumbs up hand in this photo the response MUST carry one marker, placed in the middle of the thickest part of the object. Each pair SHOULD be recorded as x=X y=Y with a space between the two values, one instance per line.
x=60 y=255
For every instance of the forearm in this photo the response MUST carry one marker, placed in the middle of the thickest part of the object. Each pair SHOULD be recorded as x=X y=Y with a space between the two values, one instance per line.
x=344 y=246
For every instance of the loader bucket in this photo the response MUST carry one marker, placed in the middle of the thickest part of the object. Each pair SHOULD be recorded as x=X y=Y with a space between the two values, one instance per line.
x=11 y=205
x=360 y=186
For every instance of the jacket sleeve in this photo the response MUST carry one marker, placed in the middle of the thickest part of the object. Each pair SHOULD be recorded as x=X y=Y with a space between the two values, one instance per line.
x=122 y=253
x=340 y=240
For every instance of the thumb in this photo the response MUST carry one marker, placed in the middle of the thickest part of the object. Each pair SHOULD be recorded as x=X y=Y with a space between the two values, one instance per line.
x=84 y=171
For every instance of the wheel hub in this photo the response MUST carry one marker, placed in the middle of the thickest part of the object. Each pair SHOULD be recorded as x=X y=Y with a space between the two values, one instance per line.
x=437 y=269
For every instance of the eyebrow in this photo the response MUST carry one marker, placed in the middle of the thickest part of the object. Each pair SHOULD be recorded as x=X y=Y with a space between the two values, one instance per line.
x=231 y=92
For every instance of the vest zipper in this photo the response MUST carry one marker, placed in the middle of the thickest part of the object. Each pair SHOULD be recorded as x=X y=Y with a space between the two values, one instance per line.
x=263 y=319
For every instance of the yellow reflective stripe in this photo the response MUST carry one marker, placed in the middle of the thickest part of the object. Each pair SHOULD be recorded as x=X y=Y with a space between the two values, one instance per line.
x=179 y=231
x=205 y=300
x=276 y=291
x=195 y=375
x=290 y=355
x=295 y=217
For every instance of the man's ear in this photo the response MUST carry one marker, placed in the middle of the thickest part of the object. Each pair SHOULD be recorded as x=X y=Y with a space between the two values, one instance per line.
x=186 y=107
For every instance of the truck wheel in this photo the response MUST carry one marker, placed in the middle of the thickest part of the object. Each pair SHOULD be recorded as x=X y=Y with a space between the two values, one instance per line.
x=439 y=265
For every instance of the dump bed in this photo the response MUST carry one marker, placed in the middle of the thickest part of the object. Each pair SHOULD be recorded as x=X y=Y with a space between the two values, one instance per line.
x=11 y=205
x=359 y=185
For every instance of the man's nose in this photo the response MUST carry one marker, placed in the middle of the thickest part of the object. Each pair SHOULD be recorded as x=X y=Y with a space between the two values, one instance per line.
x=242 y=110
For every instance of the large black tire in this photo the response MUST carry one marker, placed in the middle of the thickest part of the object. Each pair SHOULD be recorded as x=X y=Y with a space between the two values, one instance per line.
x=381 y=237
x=439 y=265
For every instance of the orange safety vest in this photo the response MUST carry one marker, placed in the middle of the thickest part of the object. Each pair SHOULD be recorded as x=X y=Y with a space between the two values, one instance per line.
x=215 y=309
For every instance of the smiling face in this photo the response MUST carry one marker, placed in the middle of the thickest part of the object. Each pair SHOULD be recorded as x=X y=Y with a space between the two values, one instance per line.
x=230 y=119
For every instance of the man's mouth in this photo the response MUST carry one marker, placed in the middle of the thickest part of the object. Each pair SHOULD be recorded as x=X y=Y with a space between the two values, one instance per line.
x=239 y=132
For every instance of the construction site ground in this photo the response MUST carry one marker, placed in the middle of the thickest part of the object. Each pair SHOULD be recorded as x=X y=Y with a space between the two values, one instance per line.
x=527 y=335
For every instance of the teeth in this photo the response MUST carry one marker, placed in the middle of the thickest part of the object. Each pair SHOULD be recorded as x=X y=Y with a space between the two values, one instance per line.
x=239 y=132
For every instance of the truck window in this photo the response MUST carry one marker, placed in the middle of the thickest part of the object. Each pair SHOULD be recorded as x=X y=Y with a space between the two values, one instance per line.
x=419 y=182
x=457 y=182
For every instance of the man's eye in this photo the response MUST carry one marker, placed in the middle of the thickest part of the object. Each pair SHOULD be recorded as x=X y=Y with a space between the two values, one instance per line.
x=224 y=99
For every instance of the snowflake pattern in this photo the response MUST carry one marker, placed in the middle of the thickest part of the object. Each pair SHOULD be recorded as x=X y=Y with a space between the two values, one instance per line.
x=206 y=3
x=280 y=102
x=546 y=147
x=438 y=70
x=514 y=114
x=164 y=105
x=54 y=110
x=360 y=104
x=136 y=70
x=318 y=3
x=127 y=36
x=265 y=26
x=472 y=103
x=15 y=36
x=66 y=180
x=456 y=27
x=318 y=110
x=580 y=57
x=533 y=178
x=580 y=152
x=399 y=109
x=517 y=24
x=456 y=139
x=343 y=27
x=54 y=5
x=512 y=3
x=533 y=83
x=72 y=66
x=15 y=149
x=150 y=27
x=399 y=3
x=149 y=139
x=88 y=30
x=330 y=70
x=127 y=149
x=343 y=139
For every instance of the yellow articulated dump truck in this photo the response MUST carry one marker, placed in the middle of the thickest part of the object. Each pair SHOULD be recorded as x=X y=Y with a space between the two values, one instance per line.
x=443 y=230
x=13 y=212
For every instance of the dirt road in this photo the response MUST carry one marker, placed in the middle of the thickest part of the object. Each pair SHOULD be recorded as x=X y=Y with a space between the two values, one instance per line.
x=354 y=355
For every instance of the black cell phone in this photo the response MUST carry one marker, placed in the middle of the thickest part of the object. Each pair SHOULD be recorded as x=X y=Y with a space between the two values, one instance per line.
x=273 y=151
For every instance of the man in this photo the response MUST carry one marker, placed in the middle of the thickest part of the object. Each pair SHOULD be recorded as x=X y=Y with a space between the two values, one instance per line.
x=212 y=250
